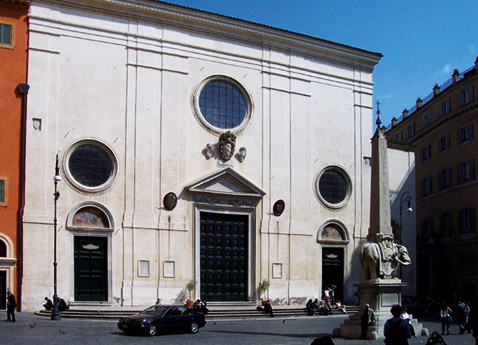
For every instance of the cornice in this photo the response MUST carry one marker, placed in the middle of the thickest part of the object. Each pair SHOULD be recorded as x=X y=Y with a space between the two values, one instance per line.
x=230 y=28
x=15 y=4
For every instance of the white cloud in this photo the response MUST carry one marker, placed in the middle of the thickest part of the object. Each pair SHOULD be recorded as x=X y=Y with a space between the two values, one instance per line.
x=439 y=75
x=472 y=49
x=446 y=69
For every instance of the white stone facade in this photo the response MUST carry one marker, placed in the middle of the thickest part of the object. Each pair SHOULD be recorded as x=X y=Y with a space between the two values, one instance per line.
x=125 y=76
x=401 y=167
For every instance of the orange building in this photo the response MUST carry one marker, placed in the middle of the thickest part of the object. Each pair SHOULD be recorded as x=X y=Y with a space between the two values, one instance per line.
x=441 y=127
x=13 y=88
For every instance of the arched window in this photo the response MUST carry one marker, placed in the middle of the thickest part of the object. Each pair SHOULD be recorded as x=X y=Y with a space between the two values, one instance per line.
x=3 y=249
x=90 y=216
x=333 y=232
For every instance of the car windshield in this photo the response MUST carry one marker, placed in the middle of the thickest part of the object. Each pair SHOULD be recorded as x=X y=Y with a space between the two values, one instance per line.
x=154 y=310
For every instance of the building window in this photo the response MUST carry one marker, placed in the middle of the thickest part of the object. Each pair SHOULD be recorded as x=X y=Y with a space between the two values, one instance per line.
x=465 y=134
x=466 y=171
x=6 y=34
x=3 y=249
x=223 y=104
x=467 y=219
x=465 y=96
x=90 y=217
x=444 y=143
x=426 y=186
x=444 y=178
x=143 y=268
x=410 y=130
x=333 y=187
x=445 y=224
x=169 y=269
x=445 y=107
x=426 y=119
x=426 y=153
x=399 y=136
x=91 y=165
x=3 y=191
x=427 y=228
x=467 y=257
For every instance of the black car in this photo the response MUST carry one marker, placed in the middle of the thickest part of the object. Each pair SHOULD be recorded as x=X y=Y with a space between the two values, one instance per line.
x=168 y=318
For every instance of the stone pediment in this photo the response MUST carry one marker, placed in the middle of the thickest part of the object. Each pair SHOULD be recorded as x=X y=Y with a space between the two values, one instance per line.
x=226 y=182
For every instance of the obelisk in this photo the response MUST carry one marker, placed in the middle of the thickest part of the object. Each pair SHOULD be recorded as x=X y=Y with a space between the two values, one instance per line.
x=379 y=256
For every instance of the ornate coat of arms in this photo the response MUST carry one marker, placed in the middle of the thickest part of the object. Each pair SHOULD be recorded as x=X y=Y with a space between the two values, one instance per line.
x=227 y=144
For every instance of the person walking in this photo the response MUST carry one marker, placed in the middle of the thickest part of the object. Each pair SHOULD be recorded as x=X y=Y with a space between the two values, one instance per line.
x=462 y=315
x=445 y=314
x=396 y=330
x=11 y=305
x=366 y=319
x=332 y=294
x=473 y=319
x=405 y=316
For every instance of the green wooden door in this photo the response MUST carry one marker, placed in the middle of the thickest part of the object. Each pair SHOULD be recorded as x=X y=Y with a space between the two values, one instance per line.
x=91 y=272
x=224 y=257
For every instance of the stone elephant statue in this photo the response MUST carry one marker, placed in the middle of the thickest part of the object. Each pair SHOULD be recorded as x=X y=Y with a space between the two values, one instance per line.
x=376 y=264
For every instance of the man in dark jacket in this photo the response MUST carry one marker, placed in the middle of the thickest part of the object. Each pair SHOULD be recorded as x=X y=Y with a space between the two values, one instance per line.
x=366 y=319
x=396 y=330
x=11 y=305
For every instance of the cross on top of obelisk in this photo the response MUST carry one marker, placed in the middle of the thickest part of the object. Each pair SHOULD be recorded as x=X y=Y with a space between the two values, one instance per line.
x=378 y=122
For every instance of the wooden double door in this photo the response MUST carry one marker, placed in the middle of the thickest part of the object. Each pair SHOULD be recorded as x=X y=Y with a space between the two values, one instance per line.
x=224 y=256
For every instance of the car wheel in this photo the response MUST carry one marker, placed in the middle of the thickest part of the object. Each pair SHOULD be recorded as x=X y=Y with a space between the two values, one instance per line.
x=151 y=330
x=194 y=327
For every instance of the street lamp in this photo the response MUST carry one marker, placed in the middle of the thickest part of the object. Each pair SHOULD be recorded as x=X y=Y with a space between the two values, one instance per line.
x=406 y=197
x=55 y=315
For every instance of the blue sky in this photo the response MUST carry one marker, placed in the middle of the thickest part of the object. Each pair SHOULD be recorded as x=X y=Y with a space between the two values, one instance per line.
x=422 y=41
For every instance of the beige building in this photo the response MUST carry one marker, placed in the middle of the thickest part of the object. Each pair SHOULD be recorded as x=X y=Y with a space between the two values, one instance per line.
x=193 y=147
x=440 y=127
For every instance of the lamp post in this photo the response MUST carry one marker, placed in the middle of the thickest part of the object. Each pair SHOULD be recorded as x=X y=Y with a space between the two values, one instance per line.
x=406 y=197
x=55 y=315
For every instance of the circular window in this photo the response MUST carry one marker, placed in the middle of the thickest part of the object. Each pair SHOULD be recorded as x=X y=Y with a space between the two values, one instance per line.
x=91 y=165
x=222 y=103
x=333 y=187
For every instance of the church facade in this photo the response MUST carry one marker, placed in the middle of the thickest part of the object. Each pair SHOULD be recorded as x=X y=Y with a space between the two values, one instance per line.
x=200 y=155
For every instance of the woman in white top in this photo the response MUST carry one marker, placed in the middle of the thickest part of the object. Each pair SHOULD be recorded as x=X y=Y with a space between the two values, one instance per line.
x=405 y=316
x=445 y=314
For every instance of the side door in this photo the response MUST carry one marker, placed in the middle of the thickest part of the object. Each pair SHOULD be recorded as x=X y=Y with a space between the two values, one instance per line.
x=171 y=320
x=185 y=317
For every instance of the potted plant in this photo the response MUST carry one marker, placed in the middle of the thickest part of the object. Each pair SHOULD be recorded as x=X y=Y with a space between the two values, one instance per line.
x=190 y=286
x=263 y=286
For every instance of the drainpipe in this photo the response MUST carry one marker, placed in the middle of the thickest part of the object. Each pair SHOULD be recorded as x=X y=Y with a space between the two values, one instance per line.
x=23 y=89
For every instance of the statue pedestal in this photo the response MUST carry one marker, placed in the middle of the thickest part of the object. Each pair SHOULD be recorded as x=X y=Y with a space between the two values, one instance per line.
x=381 y=294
